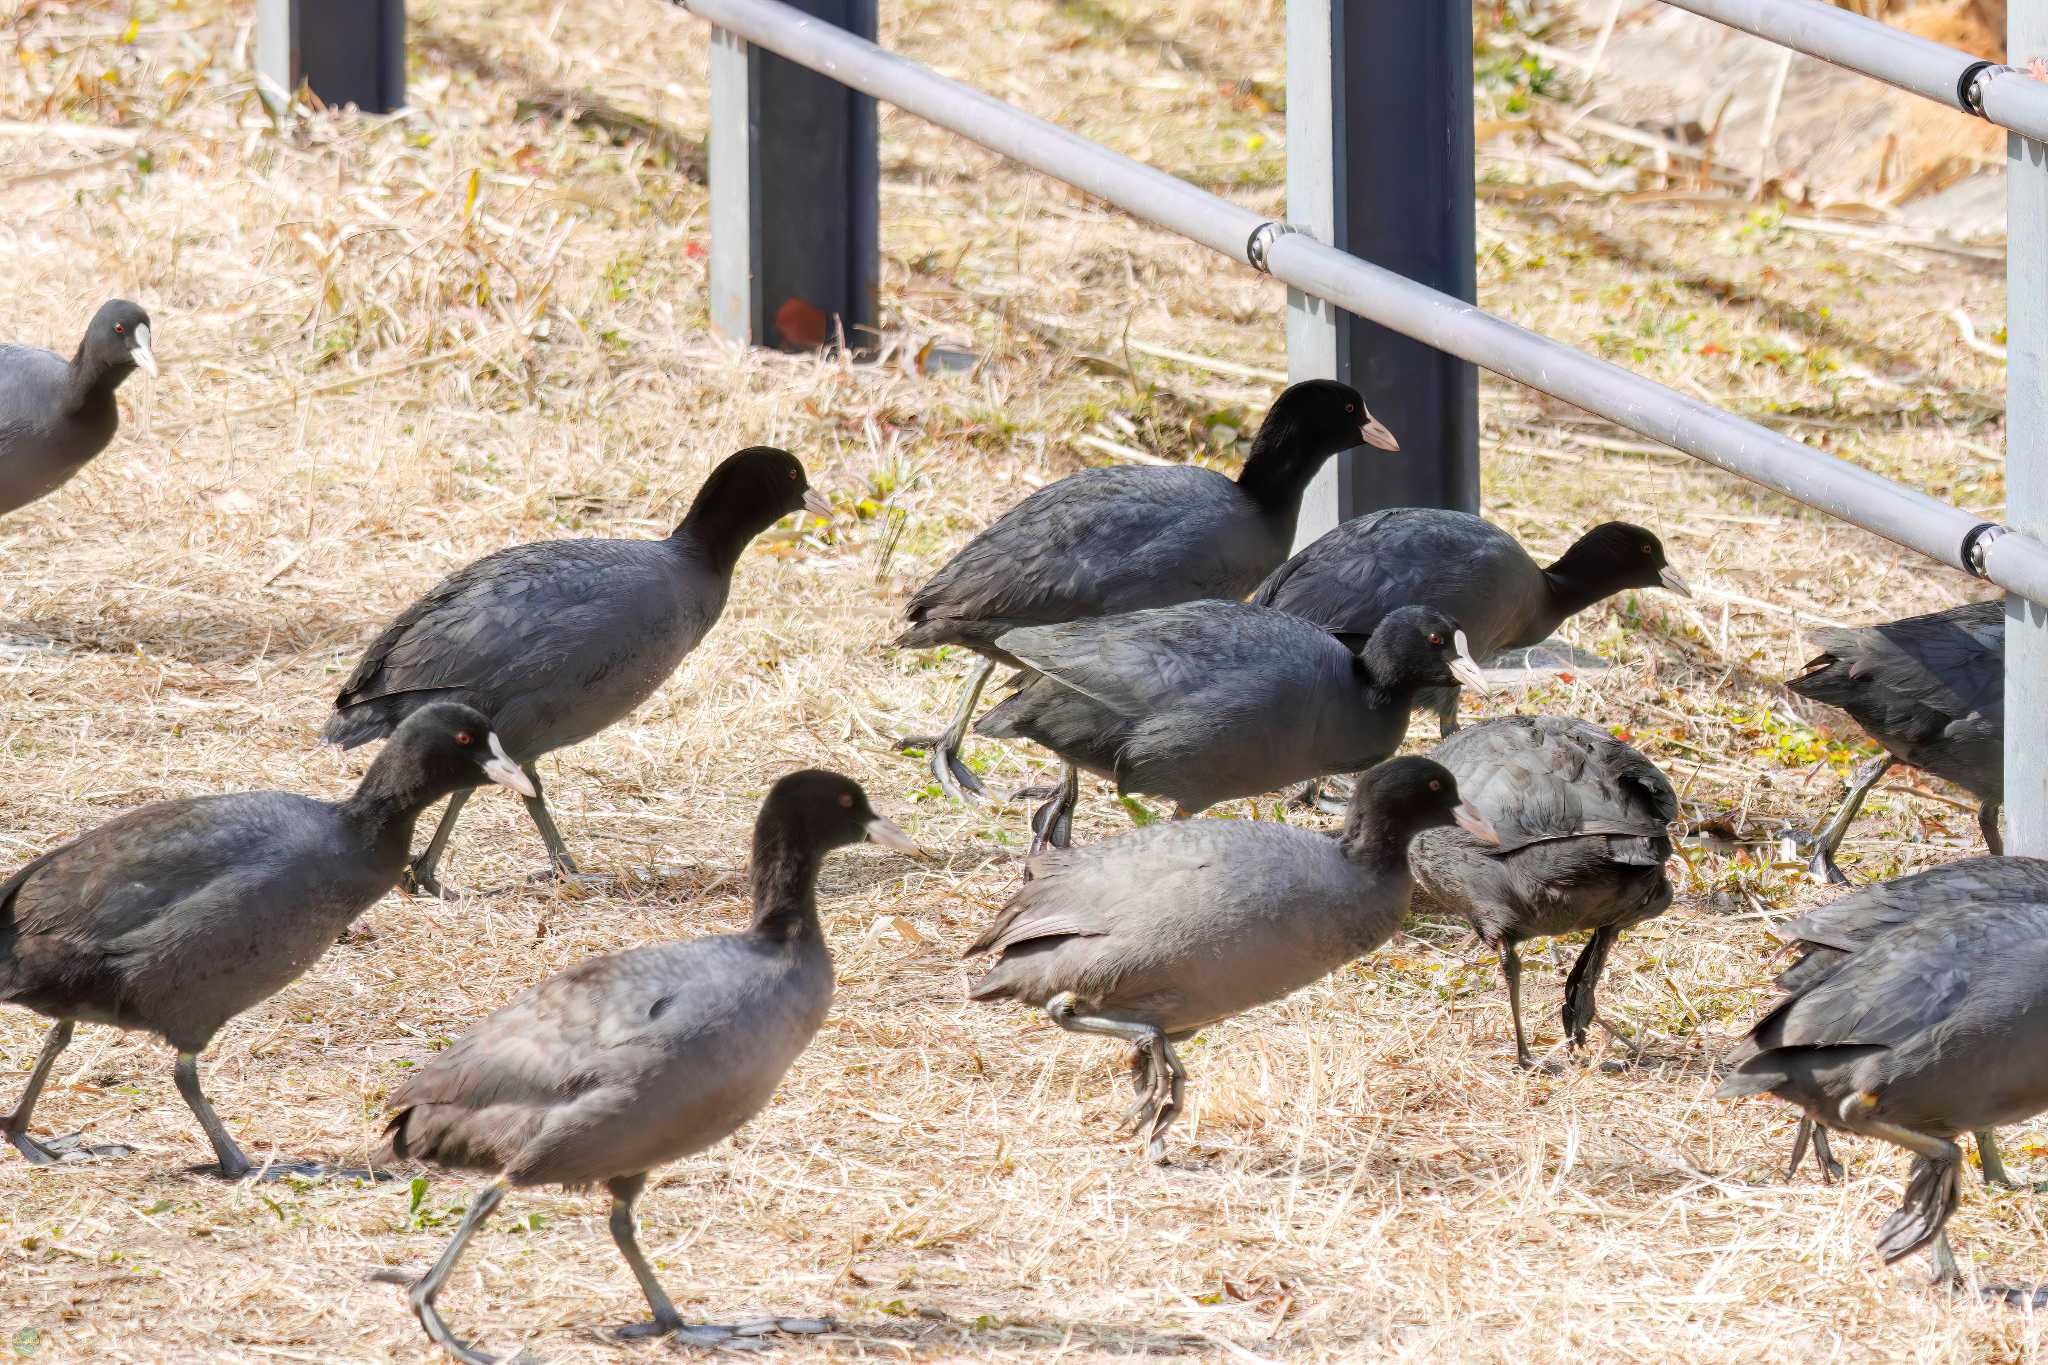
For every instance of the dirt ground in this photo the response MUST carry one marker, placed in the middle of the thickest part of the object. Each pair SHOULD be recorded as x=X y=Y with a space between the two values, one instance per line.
x=391 y=345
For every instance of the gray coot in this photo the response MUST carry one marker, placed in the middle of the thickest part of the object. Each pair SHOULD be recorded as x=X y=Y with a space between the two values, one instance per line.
x=626 y=1062
x=1828 y=937
x=557 y=640
x=1120 y=539
x=1583 y=823
x=1927 y=1031
x=1151 y=935
x=1465 y=567
x=1931 y=690
x=56 y=414
x=174 y=918
x=1206 y=701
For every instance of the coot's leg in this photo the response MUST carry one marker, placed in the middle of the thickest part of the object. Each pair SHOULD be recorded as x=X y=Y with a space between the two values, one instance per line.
x=1053 y=822
x=15 y=1125
x=233 y=1164
x=1987 y=821
x=1824 y=1153
x=1163 y=1067
x=1511 y=968
x=559 y=861
x=624 y=1191
x=1447 y=712
x=1829 y=840
x=1807 y=1128
x=1946 y=1272
x=1988 y=1159
x=1584 y=979
x=1932 y=1188
x=955 y=778
x=419 y=875
x=1176 y=1088
x=424 y=1290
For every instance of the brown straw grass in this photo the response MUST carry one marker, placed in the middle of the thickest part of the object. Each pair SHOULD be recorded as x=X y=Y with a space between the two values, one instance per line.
x=391 y=345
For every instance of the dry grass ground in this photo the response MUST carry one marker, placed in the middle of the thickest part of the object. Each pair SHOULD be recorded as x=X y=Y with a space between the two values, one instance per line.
x=392 y=345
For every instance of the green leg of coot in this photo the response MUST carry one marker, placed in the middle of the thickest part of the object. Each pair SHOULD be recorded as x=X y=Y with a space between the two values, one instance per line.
x=423 y=1291
x=1580 y=985
x=954 y=777
x=1828 y=841
x=1987 y=822
x=56 y=1151
x=1823 y=1152
x=1511 y=968
x=1052 y=824
x=1167 y=1084
x=419 y=875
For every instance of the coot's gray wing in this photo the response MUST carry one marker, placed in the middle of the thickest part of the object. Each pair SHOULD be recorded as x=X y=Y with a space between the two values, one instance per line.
x=520 y=630
x=1916 y=680
x=1541 y=778
x=1830 y=933
x=616 y=1064
x=1469 y=569
x=1101 y=541
x=1143 y=663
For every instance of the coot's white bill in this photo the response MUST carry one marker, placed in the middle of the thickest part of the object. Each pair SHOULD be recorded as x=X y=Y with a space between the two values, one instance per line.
x=1462 y=667
x=815 y=504
x=500 y=768
x=140 y=352
x=1375 y=434
x=889 y=836
x=1668 y=576
x=1473 y=823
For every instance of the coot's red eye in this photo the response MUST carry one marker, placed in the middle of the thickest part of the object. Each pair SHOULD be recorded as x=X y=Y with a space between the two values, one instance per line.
x=120 y=327
x=846 y=800
x=1436 y=639
x=1435 y=785
x=464 y=738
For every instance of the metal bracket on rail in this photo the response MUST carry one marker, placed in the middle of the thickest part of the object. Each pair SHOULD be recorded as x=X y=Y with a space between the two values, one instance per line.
x=1261 y=241
x=1980 y=535
x=1970 y=86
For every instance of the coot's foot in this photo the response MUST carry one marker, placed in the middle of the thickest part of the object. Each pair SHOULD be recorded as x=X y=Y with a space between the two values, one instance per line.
x=417 y=882
x=951 y=772
x=748 y=1336
x=70 y=1149
x=1931 y=1194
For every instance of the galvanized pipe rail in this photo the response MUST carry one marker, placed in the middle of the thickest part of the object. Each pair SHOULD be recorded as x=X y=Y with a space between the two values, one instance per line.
x=1907 y=516
x=2011 y=99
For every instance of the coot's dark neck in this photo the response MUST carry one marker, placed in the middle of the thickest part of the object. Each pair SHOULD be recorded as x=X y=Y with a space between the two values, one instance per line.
x=1575 y=584
x=1376 y=843
x=1279 y=471
x=718 y=534
x=387 y=803
x=92 y=382
x=785 y=887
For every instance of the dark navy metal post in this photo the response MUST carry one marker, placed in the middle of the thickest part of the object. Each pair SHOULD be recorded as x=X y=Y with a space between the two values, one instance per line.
x=345 y=51
x=1379 y=164
x=795 y=194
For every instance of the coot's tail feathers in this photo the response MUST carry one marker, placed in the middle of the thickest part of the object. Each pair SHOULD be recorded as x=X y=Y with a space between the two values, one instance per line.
x=1826 y=678
x=1638 y=850
x=1756 y=1075
x=377 y=717
x=1006 y=719
x=458 y=1137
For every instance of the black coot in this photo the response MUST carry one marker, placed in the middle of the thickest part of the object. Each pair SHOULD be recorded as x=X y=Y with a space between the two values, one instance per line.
x=627 y=1062
x=1206 y=701
x=1935 y=1028
x=175 y=918
x=1829 y=936
x=1467 y=568
x=1583 y=823
x=1149 y=936
x=557 y=640
x=56 y=414
x=1106 y=541
x=1931 y=690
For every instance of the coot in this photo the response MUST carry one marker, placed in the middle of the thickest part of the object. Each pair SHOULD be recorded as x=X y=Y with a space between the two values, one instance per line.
x=627 y=1062
x=1206 y=701
x=1582 y=820
x=555 y=641
x=56 y=414
x=174 y=918
x=1149 y=936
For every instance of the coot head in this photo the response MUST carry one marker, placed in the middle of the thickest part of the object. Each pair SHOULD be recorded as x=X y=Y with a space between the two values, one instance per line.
x=1616 y=555
x=117 y=339
x=450 y=746
x=1404 y=796
x=819 y=810
x=1319 y=417
x=755 y=488
x=1418 y=647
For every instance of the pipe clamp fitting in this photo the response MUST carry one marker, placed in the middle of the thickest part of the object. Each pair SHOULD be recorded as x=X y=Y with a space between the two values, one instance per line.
x=1970 y=85
x=1980 y=535
x=1261 y=241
